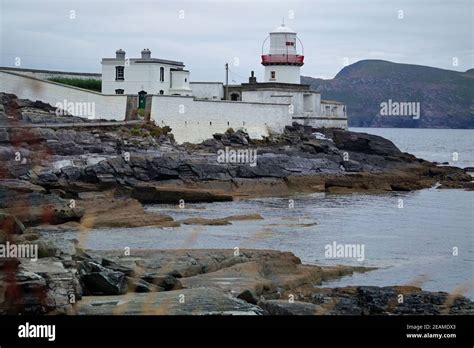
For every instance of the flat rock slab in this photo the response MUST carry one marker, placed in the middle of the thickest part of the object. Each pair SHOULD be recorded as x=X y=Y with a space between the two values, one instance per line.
x=267 y=276
x=285 y=307
x=186 y=262
x=198 y=301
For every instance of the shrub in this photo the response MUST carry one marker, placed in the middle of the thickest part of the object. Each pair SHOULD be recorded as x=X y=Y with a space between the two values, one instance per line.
x=90 y=84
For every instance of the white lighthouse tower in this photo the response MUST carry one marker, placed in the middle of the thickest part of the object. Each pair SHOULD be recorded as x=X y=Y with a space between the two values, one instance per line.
x=282 y=63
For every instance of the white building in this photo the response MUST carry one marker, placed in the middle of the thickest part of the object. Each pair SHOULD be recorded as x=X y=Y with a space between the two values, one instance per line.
x=196 y=110
x=145 y=75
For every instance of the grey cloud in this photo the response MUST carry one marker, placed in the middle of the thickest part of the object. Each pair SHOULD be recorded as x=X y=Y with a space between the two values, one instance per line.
x=432 y=32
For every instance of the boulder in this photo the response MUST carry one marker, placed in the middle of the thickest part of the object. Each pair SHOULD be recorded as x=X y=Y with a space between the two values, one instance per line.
x=105 y=283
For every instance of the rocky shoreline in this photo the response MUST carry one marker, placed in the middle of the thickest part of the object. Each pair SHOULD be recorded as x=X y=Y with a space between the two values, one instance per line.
x=76 y=179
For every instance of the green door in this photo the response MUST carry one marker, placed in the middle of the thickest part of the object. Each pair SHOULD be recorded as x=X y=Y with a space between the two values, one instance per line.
x=141 y=100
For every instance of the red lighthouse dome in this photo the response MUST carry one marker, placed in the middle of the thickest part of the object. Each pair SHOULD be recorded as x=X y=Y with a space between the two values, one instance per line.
x=283 y=48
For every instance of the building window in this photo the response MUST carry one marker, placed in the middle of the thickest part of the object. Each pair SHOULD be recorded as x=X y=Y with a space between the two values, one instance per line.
x=272 y=75
x=328 y=110
x=288 y=43
x=185 y=79
x=119 y=73
x=162 y=74
x=162 y=92
x=119 y=91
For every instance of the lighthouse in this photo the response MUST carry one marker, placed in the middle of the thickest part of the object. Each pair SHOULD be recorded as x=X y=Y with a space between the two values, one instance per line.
x=282 y=62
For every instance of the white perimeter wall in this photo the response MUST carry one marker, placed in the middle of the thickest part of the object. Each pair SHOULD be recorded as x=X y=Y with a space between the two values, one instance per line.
x=44 y=74
x=109 y=107
x=196 y=120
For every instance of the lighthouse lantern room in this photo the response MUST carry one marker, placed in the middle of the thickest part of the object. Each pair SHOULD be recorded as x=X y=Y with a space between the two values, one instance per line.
x=282 y=63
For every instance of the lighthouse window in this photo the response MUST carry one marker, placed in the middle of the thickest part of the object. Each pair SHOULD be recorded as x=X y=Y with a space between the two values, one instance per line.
x=119 y=91
x=119 y=73
x=162 y=74
x=272 y=74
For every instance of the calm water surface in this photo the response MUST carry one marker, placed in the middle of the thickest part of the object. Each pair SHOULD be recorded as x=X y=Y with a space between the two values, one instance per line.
x=410 y=245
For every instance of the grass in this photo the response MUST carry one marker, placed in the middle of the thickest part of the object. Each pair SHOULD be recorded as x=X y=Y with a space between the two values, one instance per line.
x=90 y=84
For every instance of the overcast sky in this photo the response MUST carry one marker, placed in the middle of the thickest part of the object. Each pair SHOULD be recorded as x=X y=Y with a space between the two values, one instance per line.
x=207 y=34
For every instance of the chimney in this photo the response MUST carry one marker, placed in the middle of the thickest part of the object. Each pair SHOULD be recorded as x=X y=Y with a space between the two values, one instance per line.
x=252 y=78
x=120 y=54
x=146 y=53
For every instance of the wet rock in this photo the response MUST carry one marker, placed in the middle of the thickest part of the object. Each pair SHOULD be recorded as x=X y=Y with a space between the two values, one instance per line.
x=204 y=221
x=220 y=221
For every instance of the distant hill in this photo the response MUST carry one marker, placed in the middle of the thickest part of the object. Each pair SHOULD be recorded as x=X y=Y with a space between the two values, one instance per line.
x=446 y=97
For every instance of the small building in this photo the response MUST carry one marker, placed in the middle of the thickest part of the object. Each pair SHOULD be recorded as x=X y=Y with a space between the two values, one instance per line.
x=144 y=75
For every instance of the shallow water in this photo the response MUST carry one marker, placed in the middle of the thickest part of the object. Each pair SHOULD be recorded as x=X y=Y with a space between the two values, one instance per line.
x=412 y=244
